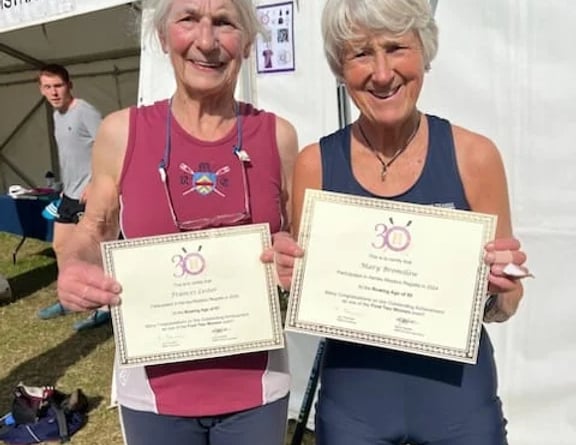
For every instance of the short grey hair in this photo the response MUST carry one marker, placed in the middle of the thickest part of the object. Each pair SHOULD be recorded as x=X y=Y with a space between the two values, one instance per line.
x=249 y=22
x=343 y=20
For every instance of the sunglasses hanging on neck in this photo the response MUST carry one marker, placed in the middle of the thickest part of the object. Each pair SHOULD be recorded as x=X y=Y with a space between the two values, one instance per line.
x=219 y=220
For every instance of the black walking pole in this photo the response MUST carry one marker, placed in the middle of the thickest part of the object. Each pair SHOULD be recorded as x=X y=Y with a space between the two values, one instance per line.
x=308 y=396
x=343 y=120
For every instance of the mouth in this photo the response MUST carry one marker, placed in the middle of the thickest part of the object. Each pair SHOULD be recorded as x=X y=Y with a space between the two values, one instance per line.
x=207 y=65
x=386 y=94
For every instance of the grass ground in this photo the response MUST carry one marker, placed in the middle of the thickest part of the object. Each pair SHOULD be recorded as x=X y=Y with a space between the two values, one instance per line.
x=41 y=352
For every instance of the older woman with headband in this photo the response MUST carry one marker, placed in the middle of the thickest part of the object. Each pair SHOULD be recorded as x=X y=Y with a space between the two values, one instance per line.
x=143 y=180
x=381 y=50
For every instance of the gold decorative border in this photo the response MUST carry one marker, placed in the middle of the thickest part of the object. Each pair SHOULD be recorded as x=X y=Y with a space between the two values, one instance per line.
x=127 y=359
x=466 y=355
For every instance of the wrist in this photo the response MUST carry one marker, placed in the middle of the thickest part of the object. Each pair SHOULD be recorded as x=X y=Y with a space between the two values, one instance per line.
x=492 y=309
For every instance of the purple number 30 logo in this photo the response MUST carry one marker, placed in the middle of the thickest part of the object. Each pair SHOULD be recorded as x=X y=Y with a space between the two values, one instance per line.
x=189 y=263
x=395 y=238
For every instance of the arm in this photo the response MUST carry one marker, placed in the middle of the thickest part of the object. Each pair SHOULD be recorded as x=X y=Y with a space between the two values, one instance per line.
x=284 y=249
x=82 y=283
x=91 y=118
x=287 y=142
x=307 y=174
x=484 y=180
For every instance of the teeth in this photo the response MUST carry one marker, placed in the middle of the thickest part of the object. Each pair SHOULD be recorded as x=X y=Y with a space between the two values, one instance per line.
x=206 y=64
x=387 y=94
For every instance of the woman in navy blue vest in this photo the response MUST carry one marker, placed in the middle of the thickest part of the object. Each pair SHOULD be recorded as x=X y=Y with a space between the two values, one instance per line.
x=381 y=50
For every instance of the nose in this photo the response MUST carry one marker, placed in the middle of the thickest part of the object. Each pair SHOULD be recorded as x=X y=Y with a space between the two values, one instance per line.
x=383 y=72
x=207 y=36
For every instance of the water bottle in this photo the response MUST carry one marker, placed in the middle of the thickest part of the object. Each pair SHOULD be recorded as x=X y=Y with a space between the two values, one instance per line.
x=49 y=176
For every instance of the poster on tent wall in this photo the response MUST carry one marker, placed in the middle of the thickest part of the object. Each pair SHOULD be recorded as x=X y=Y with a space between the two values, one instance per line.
x=275 y=49
x=15 y=12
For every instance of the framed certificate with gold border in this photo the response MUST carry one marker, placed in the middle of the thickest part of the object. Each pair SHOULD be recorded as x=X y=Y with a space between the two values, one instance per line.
x=389 y=274
x=194 y=295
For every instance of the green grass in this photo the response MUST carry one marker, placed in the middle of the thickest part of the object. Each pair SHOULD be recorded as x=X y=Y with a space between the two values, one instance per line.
x=42 y=352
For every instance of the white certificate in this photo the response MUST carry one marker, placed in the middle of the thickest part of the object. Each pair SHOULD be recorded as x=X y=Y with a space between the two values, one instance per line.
x=194 y=295
x=401 y=276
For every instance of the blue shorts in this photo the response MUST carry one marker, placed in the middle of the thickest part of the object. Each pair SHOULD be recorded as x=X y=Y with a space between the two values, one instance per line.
x=264 y=425
x=373 y=396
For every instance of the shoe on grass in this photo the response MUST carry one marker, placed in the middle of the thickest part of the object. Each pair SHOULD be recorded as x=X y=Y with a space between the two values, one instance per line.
x=52 y=311
x=96 y=318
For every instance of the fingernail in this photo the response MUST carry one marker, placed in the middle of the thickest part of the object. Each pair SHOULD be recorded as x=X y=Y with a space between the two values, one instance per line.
x=489 y=246
x=115 y=301
x=116 y=288
x=489 y=257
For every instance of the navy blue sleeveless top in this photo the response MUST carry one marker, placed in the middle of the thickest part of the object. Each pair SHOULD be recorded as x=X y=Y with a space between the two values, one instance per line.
x=439 y=183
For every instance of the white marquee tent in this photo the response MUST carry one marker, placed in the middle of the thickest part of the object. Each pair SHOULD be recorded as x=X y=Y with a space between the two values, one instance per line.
x=503 y=69
x=102 y=52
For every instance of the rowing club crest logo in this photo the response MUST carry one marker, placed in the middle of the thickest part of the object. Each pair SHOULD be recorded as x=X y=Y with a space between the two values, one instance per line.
x=205 y=180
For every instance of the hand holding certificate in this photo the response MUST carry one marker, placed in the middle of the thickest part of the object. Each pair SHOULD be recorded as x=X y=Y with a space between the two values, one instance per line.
x=403 y=276
x=194 y=295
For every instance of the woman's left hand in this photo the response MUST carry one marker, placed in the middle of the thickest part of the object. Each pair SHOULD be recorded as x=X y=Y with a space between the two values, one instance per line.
x=506 y=261
x=283 y=252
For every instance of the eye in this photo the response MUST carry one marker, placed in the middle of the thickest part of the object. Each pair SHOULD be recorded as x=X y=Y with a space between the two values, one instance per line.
x=187 y=18
x=357 y=53
x=223 y=22
x=394 y=47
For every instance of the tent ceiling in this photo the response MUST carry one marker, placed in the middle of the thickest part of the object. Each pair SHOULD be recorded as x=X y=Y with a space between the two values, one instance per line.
x=106 y=34
x=101 y=49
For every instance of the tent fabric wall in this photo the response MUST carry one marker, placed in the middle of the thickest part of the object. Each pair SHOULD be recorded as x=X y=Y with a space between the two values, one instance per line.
x=104 y=66
x=504 y=69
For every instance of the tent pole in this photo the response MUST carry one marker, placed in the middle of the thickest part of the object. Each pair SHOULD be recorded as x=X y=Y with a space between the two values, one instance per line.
x=117 y=85
x=21 y=56
x=70 y=61
x=76 y=76
x=21 y=124
x=343 y=105
x=29 y=182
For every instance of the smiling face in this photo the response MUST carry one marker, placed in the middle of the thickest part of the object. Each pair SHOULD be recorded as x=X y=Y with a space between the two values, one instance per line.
x=56 y=91
x=206 y=45
x=384 y=76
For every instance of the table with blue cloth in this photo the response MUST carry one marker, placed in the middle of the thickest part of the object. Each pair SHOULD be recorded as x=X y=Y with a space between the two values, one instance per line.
x=23 y=217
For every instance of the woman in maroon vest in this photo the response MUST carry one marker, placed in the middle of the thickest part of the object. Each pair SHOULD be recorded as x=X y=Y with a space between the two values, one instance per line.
x=196 y=161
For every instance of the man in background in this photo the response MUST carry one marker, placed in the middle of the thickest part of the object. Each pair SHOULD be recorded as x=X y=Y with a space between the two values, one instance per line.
x=75 y=125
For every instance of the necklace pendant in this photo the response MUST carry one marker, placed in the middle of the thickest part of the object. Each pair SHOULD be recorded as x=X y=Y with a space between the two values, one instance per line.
x=383 y=172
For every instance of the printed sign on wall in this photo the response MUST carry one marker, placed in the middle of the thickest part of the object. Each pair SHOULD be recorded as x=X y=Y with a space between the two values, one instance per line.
x=275 y=49
x=14 y=12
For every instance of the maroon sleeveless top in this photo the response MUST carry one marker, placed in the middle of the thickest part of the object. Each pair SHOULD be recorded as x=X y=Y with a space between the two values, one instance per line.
x=205 y=180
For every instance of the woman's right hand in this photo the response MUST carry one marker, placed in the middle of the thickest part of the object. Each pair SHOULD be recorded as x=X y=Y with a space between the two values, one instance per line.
x=83 y=286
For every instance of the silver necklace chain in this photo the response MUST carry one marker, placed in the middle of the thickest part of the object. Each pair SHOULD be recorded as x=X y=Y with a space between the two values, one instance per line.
x=386 y=164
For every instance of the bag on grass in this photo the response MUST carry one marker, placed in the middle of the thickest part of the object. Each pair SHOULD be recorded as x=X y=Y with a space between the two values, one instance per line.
x=43 y=414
